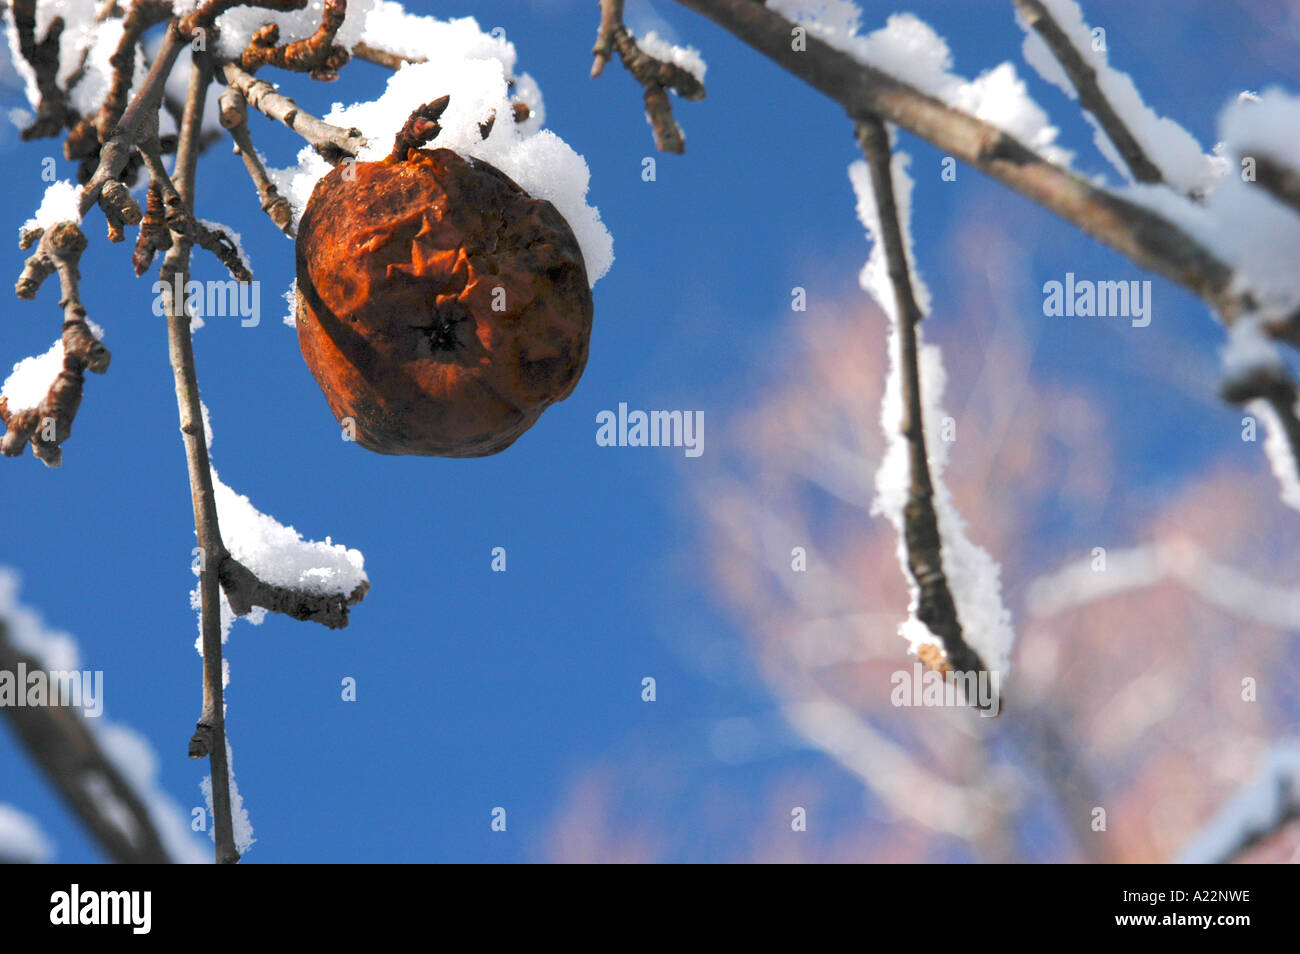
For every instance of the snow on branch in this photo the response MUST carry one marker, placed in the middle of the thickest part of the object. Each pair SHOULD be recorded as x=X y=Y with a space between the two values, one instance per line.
x=1152 y=149
x=657 y=65
x=956 y=619
x=107 y=773
x=39 y=401
x=1254 y=815
x=270 y=566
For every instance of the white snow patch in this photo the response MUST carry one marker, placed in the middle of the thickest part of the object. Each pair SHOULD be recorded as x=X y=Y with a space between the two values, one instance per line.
x=685 y=57
x=31 y=378
x=61 y=203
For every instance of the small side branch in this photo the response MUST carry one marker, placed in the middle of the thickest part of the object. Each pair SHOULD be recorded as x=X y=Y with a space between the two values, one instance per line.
x=334 y=143
x=1084 y=79
x=392 y=61
x=49 y=424
x=234 y=117
x=936 y=608
x=53 y=112
x=244 y=591
x=180 y=220
x=655 y=76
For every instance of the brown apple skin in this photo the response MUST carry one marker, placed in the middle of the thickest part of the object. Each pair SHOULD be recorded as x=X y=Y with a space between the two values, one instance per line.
x=440 y=307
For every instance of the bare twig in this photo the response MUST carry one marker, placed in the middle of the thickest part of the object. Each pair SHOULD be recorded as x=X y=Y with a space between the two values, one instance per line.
x=49 y=424
x=393 y=61
x=210 y=734
x=1084 y=79
x=655 y=76
x=57 y=739
x=935 y=608
x=179 y=220
x=234 y=117
x=334 y=143
x=84 y=139
x=140 y=117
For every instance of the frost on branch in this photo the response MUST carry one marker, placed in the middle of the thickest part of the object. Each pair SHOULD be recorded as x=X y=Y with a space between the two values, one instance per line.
x=1151 y=148
x=972 y=575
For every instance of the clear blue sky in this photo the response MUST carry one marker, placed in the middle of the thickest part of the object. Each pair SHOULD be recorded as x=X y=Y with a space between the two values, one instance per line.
x=479 y=689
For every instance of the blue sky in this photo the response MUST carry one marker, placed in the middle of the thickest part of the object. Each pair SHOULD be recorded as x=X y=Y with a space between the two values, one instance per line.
x=480 y=689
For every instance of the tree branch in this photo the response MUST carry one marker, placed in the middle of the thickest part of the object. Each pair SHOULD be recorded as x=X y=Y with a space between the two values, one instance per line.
x=317 y=55
x=53 y=112
x=334 y=143
x=210 y=733
x=1149 y=240
x=936 y=608
x=49 y=424
x=1084 y=79
x=234 y=117
x=654 y=75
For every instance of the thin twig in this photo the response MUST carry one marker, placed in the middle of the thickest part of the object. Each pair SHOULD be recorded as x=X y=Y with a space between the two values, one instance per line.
x=85 y=137
x=935 y=608
x=655 y=76
x=234 y=117
x=334 y=143
x=49 y=424
x=210 y=734
x=393 y=61
x=1084 y=79
x=53 y=111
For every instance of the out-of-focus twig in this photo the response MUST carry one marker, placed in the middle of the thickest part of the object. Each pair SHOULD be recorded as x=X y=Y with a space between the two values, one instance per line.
x=58 y=740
